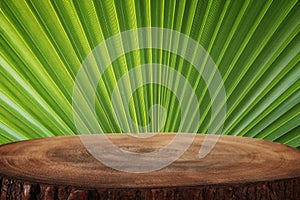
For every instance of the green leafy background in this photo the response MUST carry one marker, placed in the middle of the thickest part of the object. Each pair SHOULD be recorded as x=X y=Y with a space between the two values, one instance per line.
x=255 y=45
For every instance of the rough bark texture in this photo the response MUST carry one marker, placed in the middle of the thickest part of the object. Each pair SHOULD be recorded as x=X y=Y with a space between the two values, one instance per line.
x=269 y=190
x=246 y=169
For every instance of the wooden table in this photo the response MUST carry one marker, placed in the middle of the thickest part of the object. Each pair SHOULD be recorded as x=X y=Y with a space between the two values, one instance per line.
x=236 y=168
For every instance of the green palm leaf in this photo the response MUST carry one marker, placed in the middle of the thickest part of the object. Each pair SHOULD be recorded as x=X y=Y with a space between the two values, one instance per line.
x=255 y=45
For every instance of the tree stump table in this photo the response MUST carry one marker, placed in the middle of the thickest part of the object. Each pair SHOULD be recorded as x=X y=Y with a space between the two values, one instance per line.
x=236 y=168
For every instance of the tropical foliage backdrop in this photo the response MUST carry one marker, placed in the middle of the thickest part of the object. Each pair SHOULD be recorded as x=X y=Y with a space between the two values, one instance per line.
x=254 y=43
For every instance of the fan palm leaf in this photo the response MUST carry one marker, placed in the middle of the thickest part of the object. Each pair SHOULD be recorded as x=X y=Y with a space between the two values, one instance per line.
x=255 y=45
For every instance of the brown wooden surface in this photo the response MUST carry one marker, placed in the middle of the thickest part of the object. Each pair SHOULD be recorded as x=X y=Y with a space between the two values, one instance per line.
x=237 y=168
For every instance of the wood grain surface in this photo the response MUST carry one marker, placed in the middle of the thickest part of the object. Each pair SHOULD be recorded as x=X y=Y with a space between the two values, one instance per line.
x=236 y=168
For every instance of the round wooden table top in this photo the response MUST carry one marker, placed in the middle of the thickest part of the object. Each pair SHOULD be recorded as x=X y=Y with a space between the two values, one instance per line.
x=66 y=161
